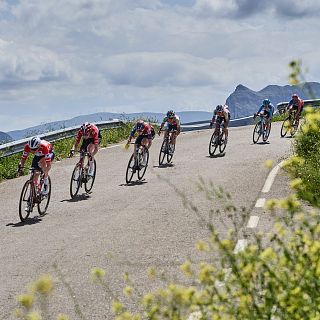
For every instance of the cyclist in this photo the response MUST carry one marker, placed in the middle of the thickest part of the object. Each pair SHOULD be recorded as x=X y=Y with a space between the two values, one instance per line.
x=221 y=113
x=145 y=136
x=297 y=104
x=43 y=156
x=267 y=109
x=90 y=143
x=173 y=124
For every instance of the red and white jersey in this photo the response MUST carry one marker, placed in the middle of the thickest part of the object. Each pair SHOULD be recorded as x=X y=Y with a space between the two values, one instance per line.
x=93 y=134
x=45 y=149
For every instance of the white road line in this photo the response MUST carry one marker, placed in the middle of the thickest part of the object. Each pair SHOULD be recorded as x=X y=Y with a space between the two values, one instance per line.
x=253 y=222
x=241 y=244
x=114 y=146
x=260 y=203
x=268 y=184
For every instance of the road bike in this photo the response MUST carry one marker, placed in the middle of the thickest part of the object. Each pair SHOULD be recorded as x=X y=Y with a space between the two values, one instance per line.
x=261 y=129
x=80 y=175
x=137 y=164
x=218 y=139
x=290 y=124
x=32 y=194
x=167 y=148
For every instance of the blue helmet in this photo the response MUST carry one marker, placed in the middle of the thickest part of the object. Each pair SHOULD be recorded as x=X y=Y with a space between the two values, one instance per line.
x=266 y=102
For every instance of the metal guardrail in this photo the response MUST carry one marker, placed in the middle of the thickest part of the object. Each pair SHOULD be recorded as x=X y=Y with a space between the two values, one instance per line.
x=17 y=146
x=312 y=102
x=200 y=125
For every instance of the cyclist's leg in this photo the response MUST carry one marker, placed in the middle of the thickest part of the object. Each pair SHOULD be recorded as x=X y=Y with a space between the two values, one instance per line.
x=35 y=165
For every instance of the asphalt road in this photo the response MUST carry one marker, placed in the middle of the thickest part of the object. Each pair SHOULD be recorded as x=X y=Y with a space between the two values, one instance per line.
x=123 y=227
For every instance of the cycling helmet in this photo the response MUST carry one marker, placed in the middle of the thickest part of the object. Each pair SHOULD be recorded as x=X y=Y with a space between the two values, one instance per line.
x=219 y=108
x=140 y=125
x=266 y=102
x=34 y=143
x=295 y=96
x=85 y=128
x=170 y=114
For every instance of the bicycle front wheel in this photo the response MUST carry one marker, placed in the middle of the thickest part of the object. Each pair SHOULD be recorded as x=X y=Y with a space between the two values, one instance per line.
x=213 y=145
x=90 y=179
x=266 y=133
x=256 y=132
x=44 y=200
x=75 y=182
x=26 y=202
x=170 y=153
x=130 y=169
x=294 y=127
x=162 y=153
x=223 y=142
x=142 y=170
x=285 y=127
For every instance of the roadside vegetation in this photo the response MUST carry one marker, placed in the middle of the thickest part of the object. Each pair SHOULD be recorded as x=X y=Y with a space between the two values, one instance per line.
x=276 y=276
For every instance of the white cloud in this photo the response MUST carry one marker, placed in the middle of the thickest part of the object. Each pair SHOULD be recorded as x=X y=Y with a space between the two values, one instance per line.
x=148 y=54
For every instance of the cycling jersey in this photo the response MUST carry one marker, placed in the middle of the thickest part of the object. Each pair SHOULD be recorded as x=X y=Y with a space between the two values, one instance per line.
x=268 y=110
x=93 y=134
x=297 y=105
x=173 y=121
x=225 y=116
x=45 y=150
x=147 y=131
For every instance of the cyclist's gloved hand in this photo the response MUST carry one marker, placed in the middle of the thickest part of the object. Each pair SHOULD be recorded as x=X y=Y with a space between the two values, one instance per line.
x=210 y=125
x=71 y=154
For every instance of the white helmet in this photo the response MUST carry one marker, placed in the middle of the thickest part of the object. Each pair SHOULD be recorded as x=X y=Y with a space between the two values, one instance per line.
x=34 y=142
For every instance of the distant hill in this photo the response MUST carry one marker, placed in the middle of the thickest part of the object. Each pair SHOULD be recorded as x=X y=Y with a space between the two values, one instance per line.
x=244 y=101
x=4 y=137
x=185 y=116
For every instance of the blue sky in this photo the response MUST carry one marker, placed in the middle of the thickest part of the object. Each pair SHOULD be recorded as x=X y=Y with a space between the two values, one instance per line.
x=62 y=58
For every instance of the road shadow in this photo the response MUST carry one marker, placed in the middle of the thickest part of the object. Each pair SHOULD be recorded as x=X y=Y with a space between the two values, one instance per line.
x=165 y=165
x=262 y=143
x=79 y=197
x=133 y=183
x=218 y=155
x=28 y=222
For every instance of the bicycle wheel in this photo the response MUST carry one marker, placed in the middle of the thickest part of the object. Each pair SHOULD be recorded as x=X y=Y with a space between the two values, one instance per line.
x=75 y=182
x=170 y=152
x=44 y=200
x=294 y=127
x=256 y=132
x=142 y=170
x=90 y=179
x=213 y=145
x=163 y=151
x=130 y=169
x=223 y=142
x=266 y=133
x=285 y=127
x=26 y=202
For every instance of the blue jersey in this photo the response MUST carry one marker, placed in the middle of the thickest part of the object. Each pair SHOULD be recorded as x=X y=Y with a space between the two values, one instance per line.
x=269 y=109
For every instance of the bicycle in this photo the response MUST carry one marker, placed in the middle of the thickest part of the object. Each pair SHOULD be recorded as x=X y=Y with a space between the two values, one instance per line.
x=167 y=148
x=290 y=123
x=32 y=194
x=80 y=175
x=138 y=164
x=261 y=129
x=218 y=139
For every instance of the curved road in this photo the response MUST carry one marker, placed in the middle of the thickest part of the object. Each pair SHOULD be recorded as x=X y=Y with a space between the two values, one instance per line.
x=125 y=228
